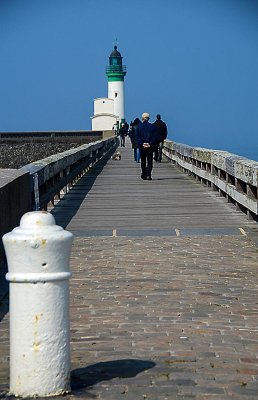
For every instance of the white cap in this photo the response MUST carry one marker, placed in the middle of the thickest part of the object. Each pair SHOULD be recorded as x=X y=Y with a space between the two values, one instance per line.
x=145 y=115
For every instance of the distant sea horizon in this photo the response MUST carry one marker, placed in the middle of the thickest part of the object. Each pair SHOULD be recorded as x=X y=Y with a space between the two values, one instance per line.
x=247 y=151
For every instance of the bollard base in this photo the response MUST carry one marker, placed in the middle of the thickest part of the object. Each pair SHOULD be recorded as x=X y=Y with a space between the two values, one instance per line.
x=36 y=395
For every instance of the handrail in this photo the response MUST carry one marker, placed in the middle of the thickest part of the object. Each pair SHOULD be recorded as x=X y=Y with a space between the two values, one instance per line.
x=58 y=172
x=233 y=176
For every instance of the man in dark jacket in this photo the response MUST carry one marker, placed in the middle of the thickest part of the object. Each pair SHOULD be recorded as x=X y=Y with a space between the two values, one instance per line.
x=162 y=135
x=146 y=137
x=122 y=133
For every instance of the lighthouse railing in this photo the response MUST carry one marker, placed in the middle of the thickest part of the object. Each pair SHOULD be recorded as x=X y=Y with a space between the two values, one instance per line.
x=115 y=68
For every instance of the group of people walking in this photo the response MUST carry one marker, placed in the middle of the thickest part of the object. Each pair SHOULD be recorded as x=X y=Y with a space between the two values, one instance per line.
x=147 y=141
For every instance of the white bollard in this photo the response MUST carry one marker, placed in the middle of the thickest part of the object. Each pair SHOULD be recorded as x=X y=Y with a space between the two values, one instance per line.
x=38 y=253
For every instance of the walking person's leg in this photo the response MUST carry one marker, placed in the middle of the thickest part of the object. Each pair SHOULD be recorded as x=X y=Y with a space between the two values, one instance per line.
x=149 y=162
x=156 y=152
x=135 y=153
x=160 y=151
x=138 y=156
x=143 y=154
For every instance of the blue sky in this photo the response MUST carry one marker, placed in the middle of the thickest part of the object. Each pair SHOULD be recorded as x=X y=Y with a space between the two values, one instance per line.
x=193 y=61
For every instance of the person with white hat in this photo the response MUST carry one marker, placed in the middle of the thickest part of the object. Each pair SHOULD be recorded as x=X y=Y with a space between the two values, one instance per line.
x=146 y=136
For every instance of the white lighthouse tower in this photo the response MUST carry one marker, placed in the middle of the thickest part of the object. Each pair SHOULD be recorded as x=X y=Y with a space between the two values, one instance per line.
x=116 y=72
x=108 y=111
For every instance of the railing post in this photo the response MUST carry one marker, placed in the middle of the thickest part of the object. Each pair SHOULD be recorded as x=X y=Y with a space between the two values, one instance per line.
x=38 y=253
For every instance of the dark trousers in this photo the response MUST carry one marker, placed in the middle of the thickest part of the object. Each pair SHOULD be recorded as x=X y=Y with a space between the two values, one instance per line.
x=146 y=161
x=158 y=151
x=122 y=140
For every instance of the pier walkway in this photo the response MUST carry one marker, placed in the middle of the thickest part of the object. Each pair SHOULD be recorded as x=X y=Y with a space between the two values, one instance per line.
x=164 y=290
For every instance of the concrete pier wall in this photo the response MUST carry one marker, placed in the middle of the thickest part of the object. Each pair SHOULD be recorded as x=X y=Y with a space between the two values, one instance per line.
x=15 y=200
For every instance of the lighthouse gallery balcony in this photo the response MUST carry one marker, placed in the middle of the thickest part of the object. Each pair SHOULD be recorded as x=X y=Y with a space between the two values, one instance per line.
x=116 y=68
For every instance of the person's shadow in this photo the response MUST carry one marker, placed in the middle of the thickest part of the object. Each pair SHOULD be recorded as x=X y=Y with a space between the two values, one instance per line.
x=104 y=371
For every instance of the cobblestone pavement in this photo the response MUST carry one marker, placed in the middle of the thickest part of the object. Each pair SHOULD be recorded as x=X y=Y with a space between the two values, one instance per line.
x=161 y=318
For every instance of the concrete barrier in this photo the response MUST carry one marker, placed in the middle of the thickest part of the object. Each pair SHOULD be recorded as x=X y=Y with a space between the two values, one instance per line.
x=15 y=200
x=108 y=134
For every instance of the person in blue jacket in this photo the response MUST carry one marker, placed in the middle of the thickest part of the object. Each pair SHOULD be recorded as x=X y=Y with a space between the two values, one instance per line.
x=146 y=136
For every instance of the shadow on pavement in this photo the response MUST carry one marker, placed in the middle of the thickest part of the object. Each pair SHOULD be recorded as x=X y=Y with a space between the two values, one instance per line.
x=4 y=306
x=104 y=371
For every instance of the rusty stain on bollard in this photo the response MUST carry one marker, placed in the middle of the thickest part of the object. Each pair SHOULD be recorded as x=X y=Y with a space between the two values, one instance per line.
x=38 y=253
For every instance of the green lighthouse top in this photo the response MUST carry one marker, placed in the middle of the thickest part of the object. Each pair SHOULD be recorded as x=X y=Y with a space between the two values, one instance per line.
x=115 y=71
x=115 y=53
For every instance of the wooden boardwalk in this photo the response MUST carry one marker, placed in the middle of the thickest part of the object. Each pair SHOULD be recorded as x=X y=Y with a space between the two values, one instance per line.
x=164 y=289
x=113 y=200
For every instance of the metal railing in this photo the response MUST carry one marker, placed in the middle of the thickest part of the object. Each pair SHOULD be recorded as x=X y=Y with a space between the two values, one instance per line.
x=115 y=69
